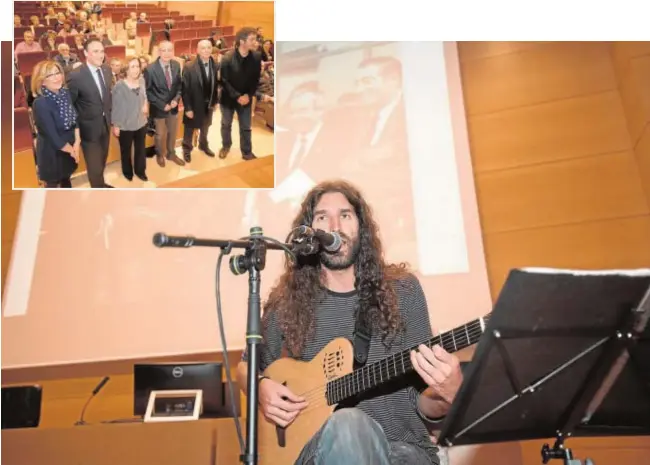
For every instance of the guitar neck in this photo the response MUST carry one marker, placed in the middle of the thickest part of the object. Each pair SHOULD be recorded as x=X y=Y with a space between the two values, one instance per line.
x=393 y=366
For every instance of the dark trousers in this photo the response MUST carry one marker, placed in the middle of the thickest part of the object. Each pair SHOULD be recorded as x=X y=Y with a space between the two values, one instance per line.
x=133 y=139
x=61 y=183
x=203 y=135
x=244 y=118
x=95 y=154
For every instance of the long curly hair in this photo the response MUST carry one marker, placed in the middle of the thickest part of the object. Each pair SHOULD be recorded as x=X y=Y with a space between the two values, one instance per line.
x=295 y=297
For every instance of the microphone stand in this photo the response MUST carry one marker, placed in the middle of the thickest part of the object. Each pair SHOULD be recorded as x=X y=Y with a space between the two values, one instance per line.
x=252 y=261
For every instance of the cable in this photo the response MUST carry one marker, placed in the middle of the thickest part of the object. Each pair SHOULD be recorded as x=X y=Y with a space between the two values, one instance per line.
x=240 y=436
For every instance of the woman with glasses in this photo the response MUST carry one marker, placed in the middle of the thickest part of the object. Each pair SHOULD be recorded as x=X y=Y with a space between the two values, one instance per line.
x=129 y=116
x=58 y=142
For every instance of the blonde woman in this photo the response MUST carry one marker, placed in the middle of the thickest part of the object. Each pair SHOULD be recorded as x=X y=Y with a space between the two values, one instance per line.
x=58 y=142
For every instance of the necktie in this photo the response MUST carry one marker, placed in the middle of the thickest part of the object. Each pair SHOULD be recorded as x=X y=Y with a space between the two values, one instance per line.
x=102 y=85
x=168 y=77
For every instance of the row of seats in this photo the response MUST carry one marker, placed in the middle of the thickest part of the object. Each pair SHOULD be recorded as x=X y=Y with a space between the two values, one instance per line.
x=27 y=61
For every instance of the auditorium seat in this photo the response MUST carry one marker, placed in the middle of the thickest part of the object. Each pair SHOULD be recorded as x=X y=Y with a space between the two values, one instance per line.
x=23 y=139
x=204 y=32
x=228 y=30
x=20 y=31
x=183 y=47
x=228 y=41
x=115 y=51
x=143 y=30
x=27 y=61
x=190 y=33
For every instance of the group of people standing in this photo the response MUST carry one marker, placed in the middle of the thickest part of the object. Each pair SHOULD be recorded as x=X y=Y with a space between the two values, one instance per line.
x=92 y=106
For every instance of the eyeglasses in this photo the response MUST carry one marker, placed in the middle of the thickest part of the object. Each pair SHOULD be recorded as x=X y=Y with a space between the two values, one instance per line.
x=58 y=73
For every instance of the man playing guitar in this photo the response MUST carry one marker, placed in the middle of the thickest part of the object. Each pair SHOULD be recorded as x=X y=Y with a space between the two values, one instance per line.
x=315 y=302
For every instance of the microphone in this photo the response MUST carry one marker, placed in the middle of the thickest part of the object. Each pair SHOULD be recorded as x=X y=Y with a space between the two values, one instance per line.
x=330 y=242
x=99 y=387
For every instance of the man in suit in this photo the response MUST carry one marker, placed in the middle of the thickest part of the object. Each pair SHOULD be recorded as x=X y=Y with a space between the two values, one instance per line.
x=240 y=77
x=379 y=83
x=90 y=90
x=200 y=97
x=164 y=88
x=66 y=59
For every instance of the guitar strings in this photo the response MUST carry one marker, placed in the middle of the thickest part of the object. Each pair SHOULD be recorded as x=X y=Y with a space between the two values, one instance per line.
x=317 y=397
x=390 y=362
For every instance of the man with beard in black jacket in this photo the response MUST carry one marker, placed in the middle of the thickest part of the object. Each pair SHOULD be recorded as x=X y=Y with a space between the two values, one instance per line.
x=240 y=77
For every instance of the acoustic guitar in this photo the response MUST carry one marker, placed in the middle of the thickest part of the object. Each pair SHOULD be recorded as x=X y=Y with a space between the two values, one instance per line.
x=329 y=379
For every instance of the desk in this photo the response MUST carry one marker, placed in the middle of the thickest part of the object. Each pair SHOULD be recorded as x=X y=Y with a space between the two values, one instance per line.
x=202 y=442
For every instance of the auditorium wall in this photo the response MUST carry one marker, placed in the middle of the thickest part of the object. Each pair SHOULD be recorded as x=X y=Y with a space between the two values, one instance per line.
x=632 y=66
x=558 y=183
x=237 y=14
x=201 y=10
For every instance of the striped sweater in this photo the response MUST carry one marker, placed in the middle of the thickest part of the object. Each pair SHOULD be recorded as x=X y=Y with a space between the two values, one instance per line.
x=394 y=407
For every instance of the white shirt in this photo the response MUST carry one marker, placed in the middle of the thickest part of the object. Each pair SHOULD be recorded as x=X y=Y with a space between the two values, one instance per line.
x=303 y=139
x=383 y=117
x=93 y=72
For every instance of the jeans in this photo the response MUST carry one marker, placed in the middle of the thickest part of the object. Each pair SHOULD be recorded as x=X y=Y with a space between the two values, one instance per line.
x=350 y=437
x=244 y=118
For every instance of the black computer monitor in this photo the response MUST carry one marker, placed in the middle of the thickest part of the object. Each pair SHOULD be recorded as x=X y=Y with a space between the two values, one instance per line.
x=159 y=377
x=21 y=406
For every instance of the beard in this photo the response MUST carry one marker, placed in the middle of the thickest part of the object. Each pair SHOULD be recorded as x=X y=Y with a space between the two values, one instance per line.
x=345 y=257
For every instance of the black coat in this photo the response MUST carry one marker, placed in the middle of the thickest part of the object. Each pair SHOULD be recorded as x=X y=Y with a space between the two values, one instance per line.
x=239 y=76
x=53 y=164
x=94 y=115
x=194 y=95
x=158 y=94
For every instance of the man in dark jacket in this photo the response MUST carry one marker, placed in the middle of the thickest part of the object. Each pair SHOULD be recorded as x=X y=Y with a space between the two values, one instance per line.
x=200 y=97
x=240 y=76
x=164 y=87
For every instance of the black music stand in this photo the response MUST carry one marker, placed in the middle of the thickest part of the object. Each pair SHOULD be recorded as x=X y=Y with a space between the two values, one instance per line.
x=563 y=353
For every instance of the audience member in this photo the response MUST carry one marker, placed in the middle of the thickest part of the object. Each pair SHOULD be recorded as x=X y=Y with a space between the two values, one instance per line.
x=240 y=77
x=116 y=70
x=35 y=22
x=267 y=51
x=130 y=111
x=51 y=17
x=67 y=30
x=131 y=25
x=48 y=41
x=29 y=45
x=66 y=59
x=55 y=118
x=164 y=86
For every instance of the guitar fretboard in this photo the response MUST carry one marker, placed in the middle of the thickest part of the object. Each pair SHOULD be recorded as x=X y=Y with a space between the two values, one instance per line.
x=393 y=366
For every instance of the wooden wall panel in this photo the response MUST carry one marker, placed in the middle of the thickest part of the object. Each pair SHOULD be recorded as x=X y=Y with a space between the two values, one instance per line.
x=200 y=10
x=557 y=130
x=635 y=94
x=566 y=192
x=548 y=72
x=632 y=65
x=477 y=50
x=249 y=14
x=608 y=244
x=642 y=153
